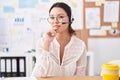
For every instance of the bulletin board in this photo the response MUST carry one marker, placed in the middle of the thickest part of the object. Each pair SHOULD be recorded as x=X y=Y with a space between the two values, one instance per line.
x=101 y=18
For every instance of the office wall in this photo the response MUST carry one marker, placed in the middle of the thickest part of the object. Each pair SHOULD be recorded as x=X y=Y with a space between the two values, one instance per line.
x=105 y=50
x=22 y=22
x=102 y=31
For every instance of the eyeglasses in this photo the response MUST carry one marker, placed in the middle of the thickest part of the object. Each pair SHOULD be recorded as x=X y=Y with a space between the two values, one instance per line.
x=51 y=19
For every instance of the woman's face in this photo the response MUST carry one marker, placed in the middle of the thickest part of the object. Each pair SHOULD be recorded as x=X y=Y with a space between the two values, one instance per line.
x=57 y=17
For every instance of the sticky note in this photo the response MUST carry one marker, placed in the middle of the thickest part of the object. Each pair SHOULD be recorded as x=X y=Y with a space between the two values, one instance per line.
x=72 y=3
x=10 y=15
x=104 y=32
x=98 y=3
x=114 y=25
x=15 y=4
x=102 y=1
x=13 y=32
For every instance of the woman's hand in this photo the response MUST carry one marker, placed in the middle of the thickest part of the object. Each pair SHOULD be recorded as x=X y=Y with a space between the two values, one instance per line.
x=49 y=36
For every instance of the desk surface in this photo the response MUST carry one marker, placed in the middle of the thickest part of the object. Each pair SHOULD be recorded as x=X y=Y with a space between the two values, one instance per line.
x=56 y=78
x=73 y=78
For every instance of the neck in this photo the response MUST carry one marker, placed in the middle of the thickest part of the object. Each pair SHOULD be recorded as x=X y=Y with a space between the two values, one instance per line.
x=63 y=37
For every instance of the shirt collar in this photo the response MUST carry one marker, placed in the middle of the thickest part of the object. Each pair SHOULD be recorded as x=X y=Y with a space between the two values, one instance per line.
x=69 y=44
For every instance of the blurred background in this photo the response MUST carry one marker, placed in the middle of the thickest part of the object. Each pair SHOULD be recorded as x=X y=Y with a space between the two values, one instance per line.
x=23 y=22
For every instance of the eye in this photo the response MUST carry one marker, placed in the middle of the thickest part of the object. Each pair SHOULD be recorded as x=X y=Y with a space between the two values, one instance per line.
x=61 y=17
x=51 y=17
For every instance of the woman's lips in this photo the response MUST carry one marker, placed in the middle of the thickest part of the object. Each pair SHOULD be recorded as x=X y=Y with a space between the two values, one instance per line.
x=56 y=27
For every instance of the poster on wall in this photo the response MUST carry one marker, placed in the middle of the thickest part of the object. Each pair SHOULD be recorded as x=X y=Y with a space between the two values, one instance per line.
x=92 y=18
x=109 y=8
x=91 y=0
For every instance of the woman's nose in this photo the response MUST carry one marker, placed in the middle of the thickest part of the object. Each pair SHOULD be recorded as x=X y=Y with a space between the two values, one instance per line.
x=56 y=20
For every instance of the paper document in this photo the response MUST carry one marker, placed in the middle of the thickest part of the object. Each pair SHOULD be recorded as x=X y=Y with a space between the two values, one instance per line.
x=109 y=8
x=92 y=18
x=20 y=78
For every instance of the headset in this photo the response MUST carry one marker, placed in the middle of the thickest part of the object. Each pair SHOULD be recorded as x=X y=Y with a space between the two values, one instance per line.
x=72 y=19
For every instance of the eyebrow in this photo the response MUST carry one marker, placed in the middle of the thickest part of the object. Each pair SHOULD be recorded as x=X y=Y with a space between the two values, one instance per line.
x=58 y=14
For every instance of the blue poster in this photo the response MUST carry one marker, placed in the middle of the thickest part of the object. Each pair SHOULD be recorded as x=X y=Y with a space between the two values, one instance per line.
x=8 y=9
x=27 y=3
x=45 y=1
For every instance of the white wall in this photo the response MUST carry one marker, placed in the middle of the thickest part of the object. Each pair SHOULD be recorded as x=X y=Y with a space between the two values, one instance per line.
x=22 y=22
x=105 y=50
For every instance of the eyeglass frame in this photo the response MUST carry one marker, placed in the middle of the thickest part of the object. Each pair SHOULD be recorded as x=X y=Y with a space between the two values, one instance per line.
x=58 y=18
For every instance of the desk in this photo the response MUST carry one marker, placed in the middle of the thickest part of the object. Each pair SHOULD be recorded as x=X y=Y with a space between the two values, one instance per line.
x=73 y=78
x=55 y=78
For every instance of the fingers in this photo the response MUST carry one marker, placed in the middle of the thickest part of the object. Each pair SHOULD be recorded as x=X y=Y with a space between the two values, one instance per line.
x=52 y=32
x=54 y=28
x=50 y=35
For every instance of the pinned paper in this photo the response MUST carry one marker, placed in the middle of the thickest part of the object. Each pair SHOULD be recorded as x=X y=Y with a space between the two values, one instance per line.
x=102 y=1
x=98 y=32
x=90 y=0
x=98 y=3
x=106 y=28
x=15 y=4
x=10 y=15
x=104 y=33
x=13 y=32
x=72 y=3
x=114 y=25
x=109 y=8
x=27 y=3
x=8 y=9
x=92 y=18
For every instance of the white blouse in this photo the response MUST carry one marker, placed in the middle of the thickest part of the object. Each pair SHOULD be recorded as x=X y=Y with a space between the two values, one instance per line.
x=73 y=61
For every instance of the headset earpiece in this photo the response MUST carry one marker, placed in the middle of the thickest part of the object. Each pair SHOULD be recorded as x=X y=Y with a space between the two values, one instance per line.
x=72 y=19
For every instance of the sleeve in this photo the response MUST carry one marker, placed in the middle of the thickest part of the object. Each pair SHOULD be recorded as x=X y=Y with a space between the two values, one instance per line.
x=42 y=61
x=81 y=63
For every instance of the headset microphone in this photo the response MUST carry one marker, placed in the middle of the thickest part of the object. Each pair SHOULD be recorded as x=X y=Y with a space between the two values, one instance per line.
x=65 y=22
x=68 y=22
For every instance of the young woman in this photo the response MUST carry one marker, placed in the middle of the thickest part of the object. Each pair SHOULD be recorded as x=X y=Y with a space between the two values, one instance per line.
x=60 y=52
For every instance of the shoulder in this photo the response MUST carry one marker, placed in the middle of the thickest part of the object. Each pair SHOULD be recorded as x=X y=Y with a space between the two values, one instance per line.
x=78 y=40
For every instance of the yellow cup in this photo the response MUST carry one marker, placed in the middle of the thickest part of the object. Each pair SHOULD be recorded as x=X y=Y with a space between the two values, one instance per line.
x=110 y=71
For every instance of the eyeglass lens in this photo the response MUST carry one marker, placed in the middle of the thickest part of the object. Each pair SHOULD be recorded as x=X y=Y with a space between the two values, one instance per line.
x=52 y=19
